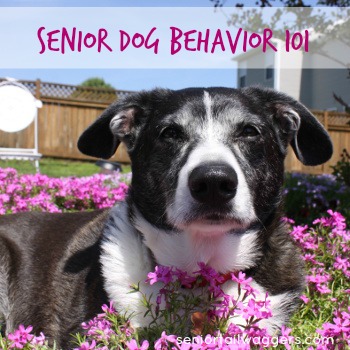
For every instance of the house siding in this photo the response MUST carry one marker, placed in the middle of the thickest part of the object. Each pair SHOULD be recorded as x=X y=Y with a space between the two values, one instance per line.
x=254 y=77
x=318 y=85
x=313 y=87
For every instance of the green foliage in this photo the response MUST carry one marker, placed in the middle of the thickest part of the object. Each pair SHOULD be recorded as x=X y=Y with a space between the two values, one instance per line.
x=287 y=3
x=55 y=167
x=175 y=317
x=97 y=83
x=342 y=169
x=306 y=196
x=321 y=308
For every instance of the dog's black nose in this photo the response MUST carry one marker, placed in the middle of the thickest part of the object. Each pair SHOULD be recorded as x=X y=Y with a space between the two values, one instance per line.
x=213 y=183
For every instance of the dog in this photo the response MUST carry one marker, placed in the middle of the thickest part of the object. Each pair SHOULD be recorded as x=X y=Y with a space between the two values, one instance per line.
x=207 y=186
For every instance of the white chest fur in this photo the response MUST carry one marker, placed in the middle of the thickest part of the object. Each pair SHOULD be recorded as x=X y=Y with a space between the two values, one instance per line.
x=126 y=261
x=225 y=252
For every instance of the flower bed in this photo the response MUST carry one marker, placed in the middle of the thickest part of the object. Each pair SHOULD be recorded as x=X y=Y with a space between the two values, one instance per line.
x=42 y=193
x=307 y=196
x=322 y=322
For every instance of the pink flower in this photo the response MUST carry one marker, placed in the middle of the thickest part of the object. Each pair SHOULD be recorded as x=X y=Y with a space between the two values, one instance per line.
x=341 y=263
x=132 y=345
x=298 y=232
x=312 y=258
x=255 y=332
x=208 y=273
x=244 y=283
x=288 y=220
x=164 y=340
x=339 y=329
x=39 y=340
x=255 y=309
x=320 y=278
x=20 y=337
x=285 y=338
x=185 y=279
x=87 y=346
x=336 y=220
x=99 y=327
x=222 y=308
x=108 y=308
x=241 y=278
x=233 y=330
x=305 y=299
x=161 y=274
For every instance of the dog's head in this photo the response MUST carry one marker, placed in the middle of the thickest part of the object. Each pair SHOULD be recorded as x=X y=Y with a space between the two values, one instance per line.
x=208 y=160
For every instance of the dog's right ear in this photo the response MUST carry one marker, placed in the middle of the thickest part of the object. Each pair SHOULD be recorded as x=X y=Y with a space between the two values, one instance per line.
x=102 y=138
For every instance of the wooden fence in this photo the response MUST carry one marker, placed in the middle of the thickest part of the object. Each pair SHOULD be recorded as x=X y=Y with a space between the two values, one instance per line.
x=338 y=126
x=68 y=110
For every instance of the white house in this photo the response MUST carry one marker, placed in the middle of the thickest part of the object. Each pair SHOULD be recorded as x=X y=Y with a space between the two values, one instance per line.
x=308 y=77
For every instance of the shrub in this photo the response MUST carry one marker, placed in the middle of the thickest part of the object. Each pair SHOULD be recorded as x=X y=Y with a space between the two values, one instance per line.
x=342 y=169
x=306 y=196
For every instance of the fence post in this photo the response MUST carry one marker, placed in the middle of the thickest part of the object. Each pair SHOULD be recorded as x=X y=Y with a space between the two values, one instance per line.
x=38 y=89
x=325 y=166
x=326 y=114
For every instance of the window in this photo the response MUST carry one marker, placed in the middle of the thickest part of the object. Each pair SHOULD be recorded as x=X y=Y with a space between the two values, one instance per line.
x=269 y=73
x=242 y=81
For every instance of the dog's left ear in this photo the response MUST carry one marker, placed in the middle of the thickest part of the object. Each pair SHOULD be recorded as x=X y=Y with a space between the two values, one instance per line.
x=308 y=138
x=121 y=122
x=102 y=138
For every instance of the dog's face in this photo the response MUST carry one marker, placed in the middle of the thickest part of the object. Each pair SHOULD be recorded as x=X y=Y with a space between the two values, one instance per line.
x=208 y=161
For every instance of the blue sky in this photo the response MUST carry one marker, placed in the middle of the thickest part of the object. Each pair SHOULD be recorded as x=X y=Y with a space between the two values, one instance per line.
x=126 y=3
x=138 y=3
x=126 y=79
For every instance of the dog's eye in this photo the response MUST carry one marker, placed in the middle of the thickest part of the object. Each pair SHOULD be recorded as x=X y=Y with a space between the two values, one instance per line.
x=171 y=133
x=250 y=131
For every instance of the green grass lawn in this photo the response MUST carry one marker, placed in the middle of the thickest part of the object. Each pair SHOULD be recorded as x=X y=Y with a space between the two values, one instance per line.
x=54 y=167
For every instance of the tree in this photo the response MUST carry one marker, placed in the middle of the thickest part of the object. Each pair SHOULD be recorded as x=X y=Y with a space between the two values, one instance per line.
x=97 y=83
x=326 y=26
x=343 y=103
x=288 y=3
x=80 y=93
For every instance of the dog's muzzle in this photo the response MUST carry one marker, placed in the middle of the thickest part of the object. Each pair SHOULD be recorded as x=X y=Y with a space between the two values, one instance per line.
x=213 y=184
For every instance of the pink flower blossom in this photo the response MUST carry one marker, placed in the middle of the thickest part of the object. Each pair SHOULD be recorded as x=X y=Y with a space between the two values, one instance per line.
x=87 y=346
x=342 y=264
x=208 y=273
x=108 y=308
x=305 y=299
x=185 y=279
x=132 y=345
x=320 y=278
x=288 y=220
x=241 y=278
x=254 y=309
x=39 y=340
x=161 y=274
x=20 y=337
x=285 y=338
x=164 y=340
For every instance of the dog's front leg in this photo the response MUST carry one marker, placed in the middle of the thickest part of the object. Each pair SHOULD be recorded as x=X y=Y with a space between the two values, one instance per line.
x=281 y=306
x=126 y=262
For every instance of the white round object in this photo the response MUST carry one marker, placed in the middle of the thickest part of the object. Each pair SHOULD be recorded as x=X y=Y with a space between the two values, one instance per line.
x=18 y=108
